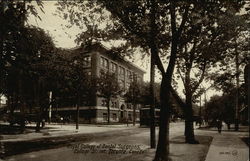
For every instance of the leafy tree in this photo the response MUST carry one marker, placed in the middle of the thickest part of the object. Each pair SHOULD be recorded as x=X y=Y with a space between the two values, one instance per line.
x=134 y=96
x=221 y=107
x=204 y=43
x=91 y=18
x=235 y=57
x=136 y=21
x=13 y=15
x=25 y=72
x=108 y=88
x=78 y=82
x=157 y=27
x=141 y=20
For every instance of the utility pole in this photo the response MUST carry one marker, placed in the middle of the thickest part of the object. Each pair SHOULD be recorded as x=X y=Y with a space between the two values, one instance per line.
x=152 y=105
x=50 y=106
x=205 y=103
x=237 y=89
x=77 y=94
x=77 y=116
x=153 y=50
x=200 y=113
x=205 y=107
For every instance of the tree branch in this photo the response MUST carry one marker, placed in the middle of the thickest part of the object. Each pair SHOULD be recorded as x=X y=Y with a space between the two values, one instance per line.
x=127 y=23
x=184 y=19
x=201 y=78
x=159 y=64
x=179 y=72
x=178 y=98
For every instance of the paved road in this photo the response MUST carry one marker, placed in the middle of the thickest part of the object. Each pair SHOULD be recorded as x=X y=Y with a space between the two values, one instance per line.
x=116 y=145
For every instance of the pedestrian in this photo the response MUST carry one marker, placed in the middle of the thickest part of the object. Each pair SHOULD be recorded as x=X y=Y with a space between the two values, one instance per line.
x=219 y=125
x=43 y=123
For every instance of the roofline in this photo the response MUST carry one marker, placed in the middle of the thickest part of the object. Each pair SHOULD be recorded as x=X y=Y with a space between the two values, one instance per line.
x=107 y=49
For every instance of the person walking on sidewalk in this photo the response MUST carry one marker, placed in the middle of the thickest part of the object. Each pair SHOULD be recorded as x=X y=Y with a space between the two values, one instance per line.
x=219 y=125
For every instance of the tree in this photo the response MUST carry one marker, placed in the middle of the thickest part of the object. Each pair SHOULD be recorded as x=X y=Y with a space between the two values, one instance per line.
x=222 y=107
x=25 y=71
x=134 y=16
x=235 y=56
x=70 y=83
x=134 y=96
x=13 y=15
x=204 y=43
x=108 y=88
x=156 y=27
x=78 y=82
x=92 y=19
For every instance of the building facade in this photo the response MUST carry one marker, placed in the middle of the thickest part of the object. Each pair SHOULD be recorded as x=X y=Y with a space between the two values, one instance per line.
x=98 y=59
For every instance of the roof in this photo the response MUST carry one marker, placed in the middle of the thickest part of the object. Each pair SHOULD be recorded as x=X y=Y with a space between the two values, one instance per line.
x=104 y=50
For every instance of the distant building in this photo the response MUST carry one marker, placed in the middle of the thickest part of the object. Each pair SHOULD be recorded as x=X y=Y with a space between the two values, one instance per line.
x=97 y=59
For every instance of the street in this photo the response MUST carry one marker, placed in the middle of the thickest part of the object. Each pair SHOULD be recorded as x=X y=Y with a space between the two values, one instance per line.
x=118 y=145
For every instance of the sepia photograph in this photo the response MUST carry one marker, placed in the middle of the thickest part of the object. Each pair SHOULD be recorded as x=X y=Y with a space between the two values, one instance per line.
x=124 y=80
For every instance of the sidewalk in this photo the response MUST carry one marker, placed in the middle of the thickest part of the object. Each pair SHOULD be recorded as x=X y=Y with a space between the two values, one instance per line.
x=228 y=146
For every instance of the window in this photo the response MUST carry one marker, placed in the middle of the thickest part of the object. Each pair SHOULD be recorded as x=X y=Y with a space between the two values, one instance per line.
x=129 y=106
x=138 y=106
x=129 y=117
x=104 y=103
x=121 y=71
x=135 y=78
x=104 y=62
x=113 y=67
x=105 y=116
x=114 y=104
x=129 y=75
x=114 y=116
x=87 y=61
x=137 y=115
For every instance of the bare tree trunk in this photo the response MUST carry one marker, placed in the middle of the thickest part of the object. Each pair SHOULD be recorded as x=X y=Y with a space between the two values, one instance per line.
x=38 y=120
x=21 y=101
x=162 y=152
x=134 y=114
x=77 y=112
x=189 y=127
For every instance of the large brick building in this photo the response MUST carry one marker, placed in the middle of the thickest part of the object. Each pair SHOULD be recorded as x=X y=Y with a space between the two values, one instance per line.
x=97 y=58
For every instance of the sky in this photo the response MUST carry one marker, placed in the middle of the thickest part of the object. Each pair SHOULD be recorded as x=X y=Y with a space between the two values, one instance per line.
x=54 y=24
x=64 y=38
